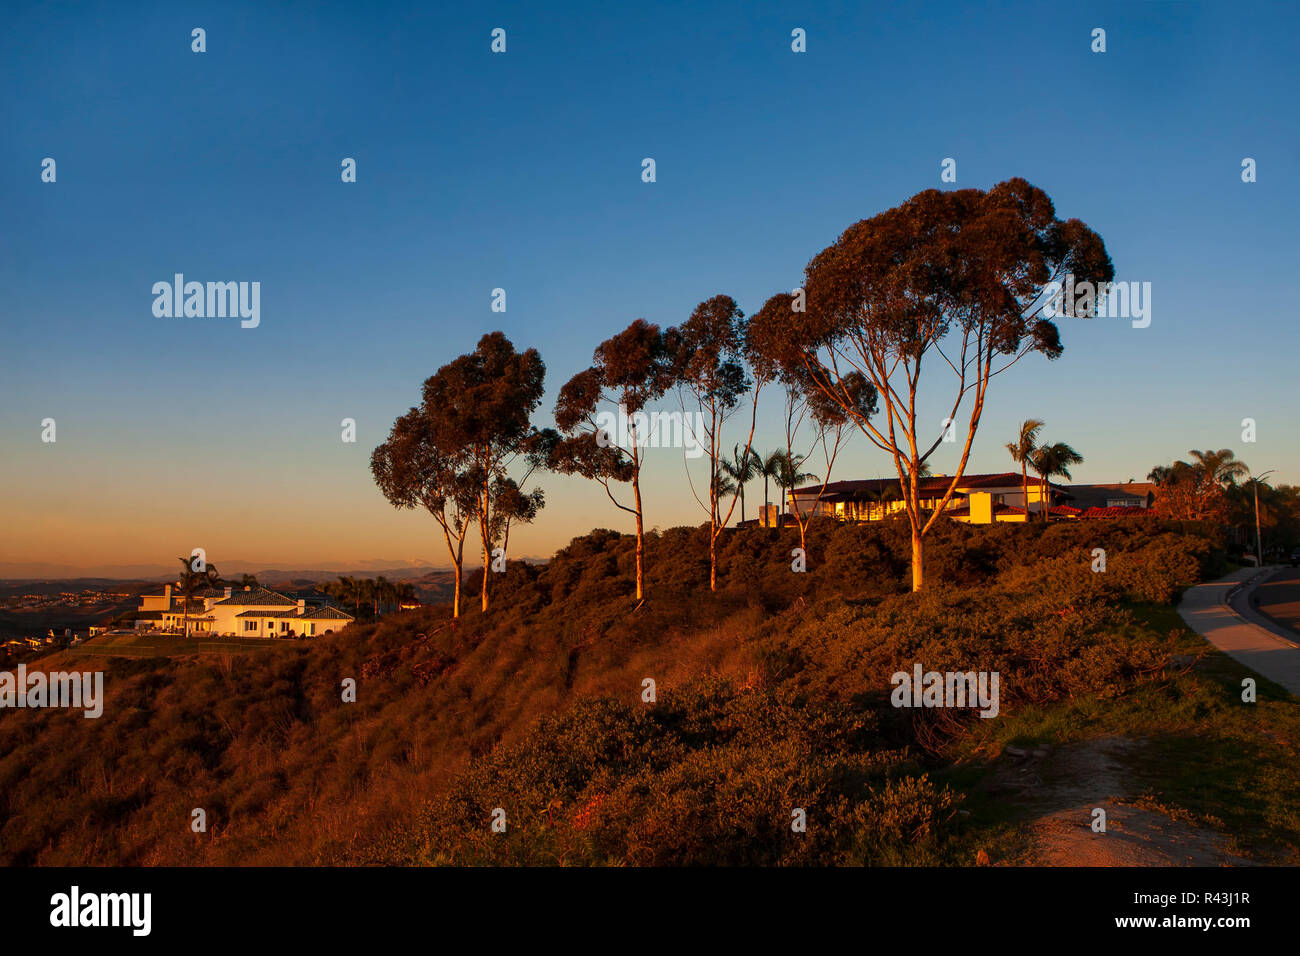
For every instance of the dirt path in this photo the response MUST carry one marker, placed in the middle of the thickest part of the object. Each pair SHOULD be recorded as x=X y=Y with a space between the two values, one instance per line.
x=1064 y=786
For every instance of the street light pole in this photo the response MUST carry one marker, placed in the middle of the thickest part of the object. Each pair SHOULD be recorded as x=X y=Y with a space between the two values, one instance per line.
x=1259 y=542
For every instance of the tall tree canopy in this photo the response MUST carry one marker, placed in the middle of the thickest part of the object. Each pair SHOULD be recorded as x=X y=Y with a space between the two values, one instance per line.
x=474 y=422
x=412 y=472
x=628 y=371
x=961 y=279
x=709 y=362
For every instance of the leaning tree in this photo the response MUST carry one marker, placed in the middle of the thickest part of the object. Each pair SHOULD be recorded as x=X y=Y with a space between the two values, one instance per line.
x=628 y=371
x=961 y=279
x=413 y=472
x=832 y=425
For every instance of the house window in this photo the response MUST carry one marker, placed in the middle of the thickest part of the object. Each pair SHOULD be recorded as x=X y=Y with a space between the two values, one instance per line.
x=309 y=629
x=250 y=625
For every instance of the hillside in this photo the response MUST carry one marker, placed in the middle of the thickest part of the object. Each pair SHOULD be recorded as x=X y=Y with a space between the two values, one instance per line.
x=772 y=694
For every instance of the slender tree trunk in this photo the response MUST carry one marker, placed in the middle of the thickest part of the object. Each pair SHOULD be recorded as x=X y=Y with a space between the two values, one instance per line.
x=640 y=537
x=1042 y=479
x=713 y=543
x=918 y=559
x=460 y=565
x=714 y=453
x=484 y=524
x=1024 y=487
x=457 y=556
x=918 y=544
x=487 y=569
x=713 y=561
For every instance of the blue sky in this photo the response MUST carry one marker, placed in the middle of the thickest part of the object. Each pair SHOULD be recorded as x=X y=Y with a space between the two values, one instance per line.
x=522 y=171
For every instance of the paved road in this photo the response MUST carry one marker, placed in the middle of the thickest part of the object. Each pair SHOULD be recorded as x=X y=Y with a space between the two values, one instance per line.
x=1279 y=598
x=1241 y=632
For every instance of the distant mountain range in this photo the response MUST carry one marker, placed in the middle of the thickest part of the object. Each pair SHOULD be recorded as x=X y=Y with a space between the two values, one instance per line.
x=395 y=570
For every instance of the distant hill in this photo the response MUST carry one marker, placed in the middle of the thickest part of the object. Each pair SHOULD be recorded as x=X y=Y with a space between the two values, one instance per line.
x=14 y=572
x=41 y=571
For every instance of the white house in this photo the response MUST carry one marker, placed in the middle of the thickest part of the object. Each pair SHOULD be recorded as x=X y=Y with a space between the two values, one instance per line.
x=251 y=612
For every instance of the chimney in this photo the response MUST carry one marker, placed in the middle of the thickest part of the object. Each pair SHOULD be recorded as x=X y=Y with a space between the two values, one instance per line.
x=167 y=593
x=302 y=605
x=229 y=591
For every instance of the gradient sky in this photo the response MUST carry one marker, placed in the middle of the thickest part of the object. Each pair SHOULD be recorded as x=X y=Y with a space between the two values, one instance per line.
x=522 y=171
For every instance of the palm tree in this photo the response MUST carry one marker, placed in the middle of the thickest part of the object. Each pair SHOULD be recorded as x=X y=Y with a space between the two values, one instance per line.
x=922 y=471
x=741 y=468
x=789 y=476
x=1021 y=449
x=189 y=582
x=722 y=487
x=1221 y=467
x=1050 y=461
x=770 y=469
x=1196 y=490
x=1160 y=475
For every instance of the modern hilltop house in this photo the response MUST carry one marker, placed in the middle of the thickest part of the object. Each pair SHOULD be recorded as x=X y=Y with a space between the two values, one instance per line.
x=251 y=612
x=977 y=499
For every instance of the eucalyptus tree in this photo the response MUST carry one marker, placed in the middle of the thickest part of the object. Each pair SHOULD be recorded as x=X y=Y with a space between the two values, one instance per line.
x=412 y=472
x=452 y=454
x=709 y=365
x=628 y=372
x=965 y=280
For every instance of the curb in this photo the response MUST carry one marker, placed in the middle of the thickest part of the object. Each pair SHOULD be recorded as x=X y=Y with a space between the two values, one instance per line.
x=1258 y=619
x=1249 y=582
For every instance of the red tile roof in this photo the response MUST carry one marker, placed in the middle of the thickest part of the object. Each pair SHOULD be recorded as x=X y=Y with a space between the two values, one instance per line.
x=1119 y=512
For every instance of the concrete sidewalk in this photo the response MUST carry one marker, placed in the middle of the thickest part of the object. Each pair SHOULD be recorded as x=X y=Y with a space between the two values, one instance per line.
x=1220 y=612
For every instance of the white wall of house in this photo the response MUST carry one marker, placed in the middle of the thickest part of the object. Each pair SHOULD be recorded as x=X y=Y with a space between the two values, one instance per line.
x=221 y=618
